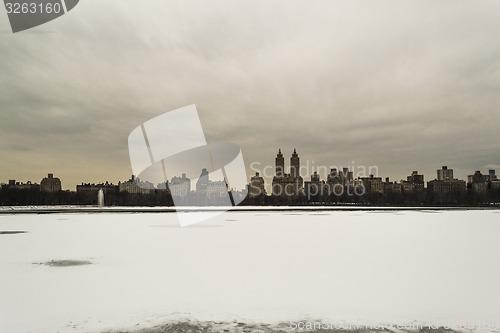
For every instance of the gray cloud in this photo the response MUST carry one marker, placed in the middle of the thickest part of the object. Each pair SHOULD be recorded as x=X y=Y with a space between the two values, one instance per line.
x=404 y=85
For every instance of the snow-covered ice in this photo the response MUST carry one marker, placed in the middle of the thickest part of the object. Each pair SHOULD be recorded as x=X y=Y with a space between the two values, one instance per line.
x=264 y=266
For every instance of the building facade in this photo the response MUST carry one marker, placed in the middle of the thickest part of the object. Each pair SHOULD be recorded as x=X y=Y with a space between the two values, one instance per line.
x=50 y=184
x=257 y=186
x=291 y=184
x=180 y=187
x=93 y=189
x=135 y=186
x=445 y=183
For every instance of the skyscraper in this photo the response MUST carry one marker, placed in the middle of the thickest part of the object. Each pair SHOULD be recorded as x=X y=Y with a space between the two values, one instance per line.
x=280 y=164
x=287 y=184
x=294 y=164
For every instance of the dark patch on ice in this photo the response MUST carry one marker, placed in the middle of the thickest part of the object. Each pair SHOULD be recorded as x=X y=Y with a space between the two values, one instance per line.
x=13 y=232
x=241 y=327
x=231 y=220
x=65 y=263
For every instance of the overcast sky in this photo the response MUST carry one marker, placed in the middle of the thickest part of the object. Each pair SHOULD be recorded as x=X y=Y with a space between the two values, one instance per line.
x=403 y=85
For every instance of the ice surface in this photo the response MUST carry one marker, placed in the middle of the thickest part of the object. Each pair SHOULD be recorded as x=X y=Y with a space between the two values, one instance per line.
x=391 y=266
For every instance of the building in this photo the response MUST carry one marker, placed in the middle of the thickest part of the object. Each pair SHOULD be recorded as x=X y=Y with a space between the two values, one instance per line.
x=13 y=185
x=289 y=185
x=445 y=173
x=217 y=189
x=93 y=189
x=208 y=189
x=257 y=186
x=50 y=184
x=202 y=182
x=180 y=187
x=414 y=182
x=335 y=182
x=373 y=184
x=314 y=189
x=392 y=187
x=446 y=184
x=481 y=183
x=493 y=180
x=135 y=186
x=239 y=195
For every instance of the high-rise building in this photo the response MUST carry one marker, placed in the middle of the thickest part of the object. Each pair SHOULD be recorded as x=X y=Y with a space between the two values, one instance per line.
x=202 y=183
x=50 y=184
x=393 y=187
x=294 y=164
x=492 y=175
x=180 y=187
x=288 y=185
x=256 y=187
x=415 y=182
x=445 y=173
x=280 y=164
x=217 y=189
x=445 y=183
x=478 y=182
x=373 y=184
x=135 y=186
x=315 y=188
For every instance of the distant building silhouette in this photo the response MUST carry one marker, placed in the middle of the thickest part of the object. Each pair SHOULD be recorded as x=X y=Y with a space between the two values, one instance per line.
x=93 y=189
x=22 y=186
x=202 y=182
x=373 y=184
x=413 y=183
x=393 y=187
x=315 y=188
x=445 y=173
x=288 y=185
x=446 y=184
x=256 y=187
x=180 y=187
x=135 y=186
x=217 y=189
x=50 y=184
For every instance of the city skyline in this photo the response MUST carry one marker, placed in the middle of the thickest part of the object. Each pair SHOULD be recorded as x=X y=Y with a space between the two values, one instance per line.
x=400 y=86
x=279 y=169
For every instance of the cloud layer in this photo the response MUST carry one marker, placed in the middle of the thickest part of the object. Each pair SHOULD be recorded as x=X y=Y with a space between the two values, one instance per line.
x=404 y=85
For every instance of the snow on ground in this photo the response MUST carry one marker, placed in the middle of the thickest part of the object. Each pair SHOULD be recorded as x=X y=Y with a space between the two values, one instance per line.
x=137 y=270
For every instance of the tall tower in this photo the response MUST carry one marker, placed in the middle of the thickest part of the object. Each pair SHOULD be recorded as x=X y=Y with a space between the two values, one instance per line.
x=445 y=173
x=294 y=164
x=280 y=164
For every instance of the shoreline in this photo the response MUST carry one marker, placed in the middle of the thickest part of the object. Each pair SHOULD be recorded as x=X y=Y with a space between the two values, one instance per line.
x=7 y=210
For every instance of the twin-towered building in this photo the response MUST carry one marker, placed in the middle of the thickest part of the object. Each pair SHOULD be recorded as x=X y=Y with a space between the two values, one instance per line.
x=287 y=184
